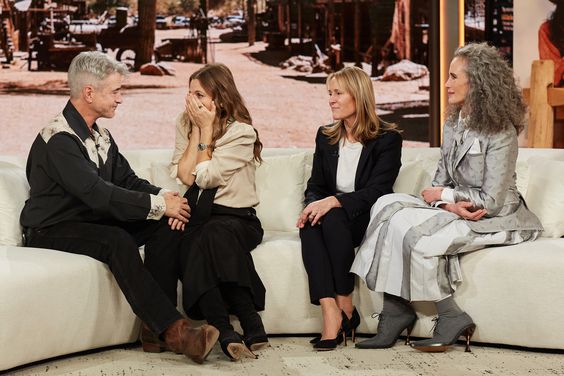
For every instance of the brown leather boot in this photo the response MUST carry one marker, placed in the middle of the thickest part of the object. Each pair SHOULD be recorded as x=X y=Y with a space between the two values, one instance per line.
x=195 y=343
x=151 y=341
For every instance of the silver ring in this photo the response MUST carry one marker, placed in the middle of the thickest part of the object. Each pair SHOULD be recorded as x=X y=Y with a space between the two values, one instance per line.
x=199 y=106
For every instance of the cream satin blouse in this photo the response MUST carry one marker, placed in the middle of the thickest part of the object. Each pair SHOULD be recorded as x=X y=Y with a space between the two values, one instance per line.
x=231 y=168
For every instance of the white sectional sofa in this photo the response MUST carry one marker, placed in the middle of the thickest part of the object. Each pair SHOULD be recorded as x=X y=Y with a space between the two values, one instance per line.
x=54 y=303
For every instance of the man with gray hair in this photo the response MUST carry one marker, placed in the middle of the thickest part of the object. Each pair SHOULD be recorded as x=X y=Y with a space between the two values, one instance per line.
x=86 y=199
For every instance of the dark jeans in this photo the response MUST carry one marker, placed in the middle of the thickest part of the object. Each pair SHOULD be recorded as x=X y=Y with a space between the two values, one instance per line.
x=150 y=293
x=328 y=253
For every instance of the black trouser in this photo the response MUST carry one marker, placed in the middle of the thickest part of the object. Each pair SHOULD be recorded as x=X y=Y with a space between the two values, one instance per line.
x=117 y=245
x=328 y=253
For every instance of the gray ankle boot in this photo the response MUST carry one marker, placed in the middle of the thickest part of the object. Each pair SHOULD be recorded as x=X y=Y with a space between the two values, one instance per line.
x=396 y=316
x=451 y=323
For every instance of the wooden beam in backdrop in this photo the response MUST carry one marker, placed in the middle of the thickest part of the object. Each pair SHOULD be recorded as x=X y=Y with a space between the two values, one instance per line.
x=556 y=96
x=541 y=114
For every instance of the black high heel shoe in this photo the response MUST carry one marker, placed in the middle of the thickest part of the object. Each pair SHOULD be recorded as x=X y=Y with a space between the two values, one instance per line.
x=348 y=326
x=330 y=344
x=233 y=346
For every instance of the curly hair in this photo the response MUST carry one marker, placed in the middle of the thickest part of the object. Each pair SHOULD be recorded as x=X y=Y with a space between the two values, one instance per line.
x=494 y=101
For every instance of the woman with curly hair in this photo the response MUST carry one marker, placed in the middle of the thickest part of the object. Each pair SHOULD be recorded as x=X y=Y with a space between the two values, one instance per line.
x=412 y=245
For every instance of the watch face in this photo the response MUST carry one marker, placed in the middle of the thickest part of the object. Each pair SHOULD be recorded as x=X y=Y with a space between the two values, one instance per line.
x=202 y=147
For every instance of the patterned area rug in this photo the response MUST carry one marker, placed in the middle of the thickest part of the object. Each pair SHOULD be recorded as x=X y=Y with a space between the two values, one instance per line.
x=294 y=356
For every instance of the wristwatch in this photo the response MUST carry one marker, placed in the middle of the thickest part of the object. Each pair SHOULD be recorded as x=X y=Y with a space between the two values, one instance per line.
x=202 y=147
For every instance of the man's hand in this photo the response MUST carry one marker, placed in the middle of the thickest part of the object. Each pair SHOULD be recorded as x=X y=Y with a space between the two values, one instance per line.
x=317 y=209
x=176 y=207
x=465 y=210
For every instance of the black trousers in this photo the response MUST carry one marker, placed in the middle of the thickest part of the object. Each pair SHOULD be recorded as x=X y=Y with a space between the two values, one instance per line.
x=116 y=244
x=328 y=253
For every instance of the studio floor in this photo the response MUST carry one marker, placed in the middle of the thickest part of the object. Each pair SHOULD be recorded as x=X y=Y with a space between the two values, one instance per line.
x=294 y=356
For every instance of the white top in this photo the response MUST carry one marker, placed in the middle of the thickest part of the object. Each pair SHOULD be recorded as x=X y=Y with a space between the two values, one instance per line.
x=349 y=155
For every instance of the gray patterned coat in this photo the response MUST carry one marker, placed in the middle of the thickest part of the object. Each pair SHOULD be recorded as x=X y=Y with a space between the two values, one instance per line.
x=481 y=169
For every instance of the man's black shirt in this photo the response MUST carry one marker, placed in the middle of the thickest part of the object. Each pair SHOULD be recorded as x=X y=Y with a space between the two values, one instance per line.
x=76 y=175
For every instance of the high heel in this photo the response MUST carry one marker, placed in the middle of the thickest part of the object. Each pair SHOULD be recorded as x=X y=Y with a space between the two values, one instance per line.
x=389 y=329
x=408 y=330
x=233 y=346
x=331 y=344
x=256 y=343
x=349 y=325
x=397 y=315
x=446 y=332
x=469 y=333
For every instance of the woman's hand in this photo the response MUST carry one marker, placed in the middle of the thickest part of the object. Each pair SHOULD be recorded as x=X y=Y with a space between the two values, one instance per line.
x=199 y=115
x=464 y=210
x=432 y=194
x=195 y=133
x=317 y=209
x=176 y=224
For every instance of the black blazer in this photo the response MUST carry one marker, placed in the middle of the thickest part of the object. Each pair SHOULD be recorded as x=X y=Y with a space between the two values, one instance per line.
x=378 y=167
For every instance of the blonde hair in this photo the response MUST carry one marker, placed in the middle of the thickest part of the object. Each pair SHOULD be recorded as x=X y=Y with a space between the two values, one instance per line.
x=367 y=125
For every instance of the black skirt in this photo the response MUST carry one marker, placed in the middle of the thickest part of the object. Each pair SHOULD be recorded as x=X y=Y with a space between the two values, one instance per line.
x=218 y=250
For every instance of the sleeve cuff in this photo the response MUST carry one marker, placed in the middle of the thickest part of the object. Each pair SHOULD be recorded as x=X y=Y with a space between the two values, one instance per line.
x=201 y=166
x=158 y=207
x=437 y=204
x=447 y=195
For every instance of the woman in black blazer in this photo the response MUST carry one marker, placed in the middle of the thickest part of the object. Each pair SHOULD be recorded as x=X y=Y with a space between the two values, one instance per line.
x=356 y=160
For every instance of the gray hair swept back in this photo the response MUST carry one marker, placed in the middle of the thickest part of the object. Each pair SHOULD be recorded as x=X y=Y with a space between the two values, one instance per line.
x=91 y=67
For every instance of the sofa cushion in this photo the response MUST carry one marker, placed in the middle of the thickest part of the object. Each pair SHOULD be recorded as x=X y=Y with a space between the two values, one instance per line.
x=544 y=194
x=56 y=303
x=280 y=188
x=14 y=190
x=409 y=178
x=160 y=176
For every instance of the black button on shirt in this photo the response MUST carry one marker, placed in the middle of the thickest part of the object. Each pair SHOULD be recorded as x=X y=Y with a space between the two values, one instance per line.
x=70 y=180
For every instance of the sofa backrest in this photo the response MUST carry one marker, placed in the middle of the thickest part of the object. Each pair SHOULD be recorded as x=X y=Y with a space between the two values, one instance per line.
x=282 y=178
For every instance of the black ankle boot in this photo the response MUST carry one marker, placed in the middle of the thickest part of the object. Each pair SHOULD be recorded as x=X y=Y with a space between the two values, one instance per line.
x=241 y=304
x=255 y=336
x=233 y=346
